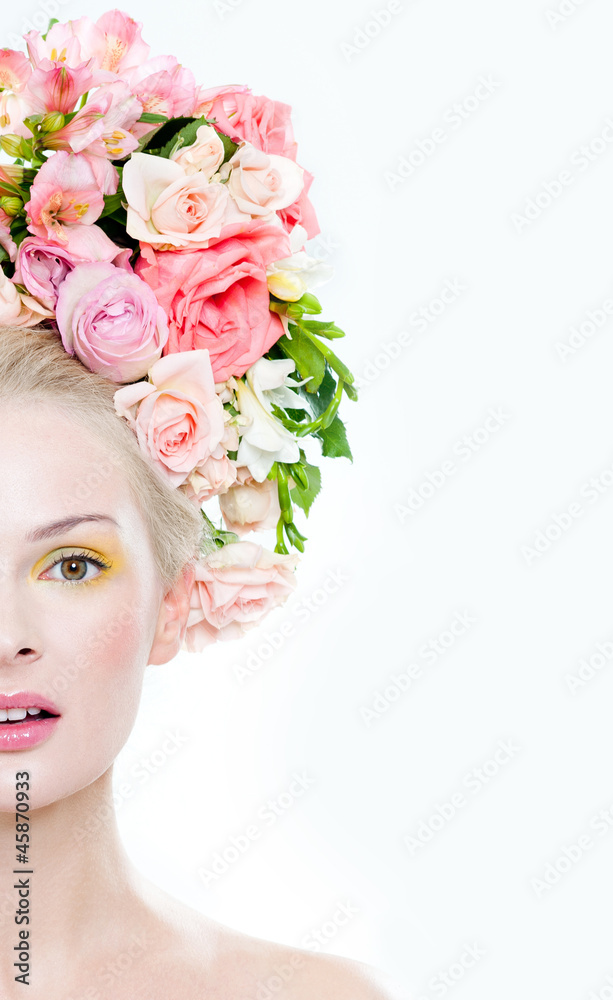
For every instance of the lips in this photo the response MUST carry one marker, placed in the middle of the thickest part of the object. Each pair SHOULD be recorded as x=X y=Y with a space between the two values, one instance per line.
x=26 y=719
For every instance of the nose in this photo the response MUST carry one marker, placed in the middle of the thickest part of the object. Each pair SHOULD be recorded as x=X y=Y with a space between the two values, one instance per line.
x=19 y=635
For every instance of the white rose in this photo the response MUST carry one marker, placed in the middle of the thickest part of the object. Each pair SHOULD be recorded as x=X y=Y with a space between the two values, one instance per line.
x=261 y=183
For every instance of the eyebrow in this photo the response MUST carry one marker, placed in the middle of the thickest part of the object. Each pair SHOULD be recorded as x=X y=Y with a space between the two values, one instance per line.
x=65 y=524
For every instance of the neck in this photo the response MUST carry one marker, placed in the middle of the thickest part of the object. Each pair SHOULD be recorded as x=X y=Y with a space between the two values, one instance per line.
x=76 y=883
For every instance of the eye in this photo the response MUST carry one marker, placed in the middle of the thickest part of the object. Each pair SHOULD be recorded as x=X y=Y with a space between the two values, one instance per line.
x=75 y=567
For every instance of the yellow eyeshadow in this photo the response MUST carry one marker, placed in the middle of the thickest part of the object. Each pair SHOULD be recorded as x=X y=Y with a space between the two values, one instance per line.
x=111 y=564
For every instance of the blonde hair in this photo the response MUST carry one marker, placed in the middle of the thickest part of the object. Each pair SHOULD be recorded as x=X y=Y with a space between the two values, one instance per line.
x=34 y=367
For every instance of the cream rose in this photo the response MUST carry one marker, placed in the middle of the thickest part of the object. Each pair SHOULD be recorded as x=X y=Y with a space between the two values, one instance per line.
x=169 y=208
x=249 y=505
x=204 y=156
x=261 y=183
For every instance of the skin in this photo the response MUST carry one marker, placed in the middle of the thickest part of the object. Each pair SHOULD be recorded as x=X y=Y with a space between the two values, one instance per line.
x=99 y=930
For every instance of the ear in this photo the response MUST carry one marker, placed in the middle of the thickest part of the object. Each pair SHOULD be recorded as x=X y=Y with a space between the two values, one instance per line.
x=172 y=619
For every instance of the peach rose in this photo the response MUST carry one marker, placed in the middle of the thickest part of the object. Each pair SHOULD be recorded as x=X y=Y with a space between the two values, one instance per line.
x=234 y=588
x=176 y=415
x=261 y=183
x=249 y=505
x=213 y=477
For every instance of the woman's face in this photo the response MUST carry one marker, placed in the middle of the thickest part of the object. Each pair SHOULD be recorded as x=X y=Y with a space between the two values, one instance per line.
x=81 y=604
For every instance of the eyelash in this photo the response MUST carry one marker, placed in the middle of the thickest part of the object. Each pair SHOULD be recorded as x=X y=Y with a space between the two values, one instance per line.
x=81 y=557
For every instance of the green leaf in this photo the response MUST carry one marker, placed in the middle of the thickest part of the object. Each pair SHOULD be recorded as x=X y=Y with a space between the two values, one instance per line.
x=53 y=21
x=185 y=136
x=334 y=440
x=320 y=400
x=229 y=146
x=309 y=361
x=328 y=330
x=151 y=119
x=111 y=203
x=304 y=497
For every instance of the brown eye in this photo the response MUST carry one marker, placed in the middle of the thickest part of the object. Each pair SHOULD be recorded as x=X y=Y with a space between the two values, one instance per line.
x=73 y=569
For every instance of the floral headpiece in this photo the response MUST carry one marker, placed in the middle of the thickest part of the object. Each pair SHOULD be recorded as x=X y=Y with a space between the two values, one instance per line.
x=159 y=228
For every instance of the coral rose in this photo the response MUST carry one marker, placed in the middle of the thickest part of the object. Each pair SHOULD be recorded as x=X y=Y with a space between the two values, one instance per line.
x=218 y=299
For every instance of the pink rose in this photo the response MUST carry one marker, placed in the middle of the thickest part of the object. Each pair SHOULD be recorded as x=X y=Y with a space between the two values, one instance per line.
x=111 y=320
x=218 y=299
x=249 y=505
x=177 y=416
x=234 y=588
x=42 y=266
x=243 y=116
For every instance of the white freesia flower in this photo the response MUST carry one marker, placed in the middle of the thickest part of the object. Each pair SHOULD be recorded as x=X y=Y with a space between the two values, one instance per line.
x=291 y=277
x=264 y=439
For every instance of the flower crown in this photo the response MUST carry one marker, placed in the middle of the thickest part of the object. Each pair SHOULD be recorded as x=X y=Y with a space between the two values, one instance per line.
x=159 y=228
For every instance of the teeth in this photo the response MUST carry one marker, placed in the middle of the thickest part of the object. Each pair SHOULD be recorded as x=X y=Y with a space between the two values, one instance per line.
x=16 y=714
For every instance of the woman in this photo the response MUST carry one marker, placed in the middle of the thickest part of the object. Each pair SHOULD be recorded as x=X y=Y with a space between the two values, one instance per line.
x=95 y=584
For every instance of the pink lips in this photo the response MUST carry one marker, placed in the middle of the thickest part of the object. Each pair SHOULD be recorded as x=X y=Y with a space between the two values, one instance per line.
x=31 y=730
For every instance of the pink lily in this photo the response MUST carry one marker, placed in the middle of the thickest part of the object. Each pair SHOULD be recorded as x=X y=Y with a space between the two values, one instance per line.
x=64 y=192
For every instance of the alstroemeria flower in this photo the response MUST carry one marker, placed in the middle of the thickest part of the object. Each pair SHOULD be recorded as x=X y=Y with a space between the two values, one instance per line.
x=64 y=192
x=114 y=42
x=15 y=103
x=163 y=87
x=61 y=43
x=103 y=125
x=176 y=415
x=57 y=87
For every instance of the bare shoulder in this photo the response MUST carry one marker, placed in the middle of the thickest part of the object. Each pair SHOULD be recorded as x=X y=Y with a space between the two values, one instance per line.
x=280 y=972
x=202 y=955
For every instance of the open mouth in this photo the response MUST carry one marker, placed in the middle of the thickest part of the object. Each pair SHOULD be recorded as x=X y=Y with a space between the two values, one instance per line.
x=18 y=716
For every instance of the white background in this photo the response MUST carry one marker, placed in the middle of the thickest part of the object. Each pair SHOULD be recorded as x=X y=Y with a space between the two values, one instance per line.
x=493 y=876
